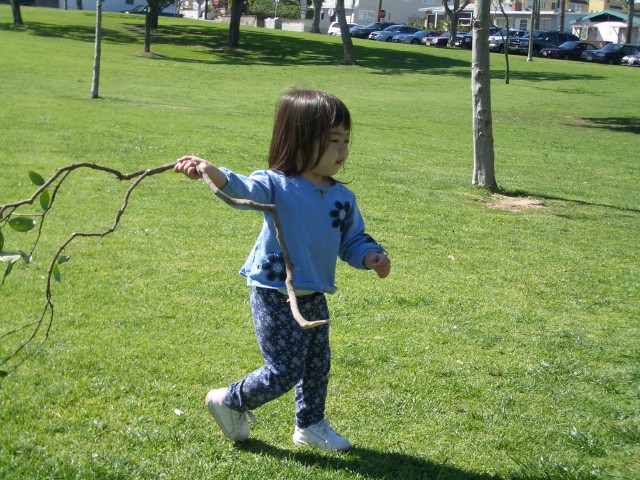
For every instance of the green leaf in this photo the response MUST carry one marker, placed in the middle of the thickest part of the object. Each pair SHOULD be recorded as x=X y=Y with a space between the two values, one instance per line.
x=9 y=257
x=22 y=224
x=62 y=259
x=1 y=241
x=6 y=273
x=44 y=200
x=56 y=273
x=36 y=178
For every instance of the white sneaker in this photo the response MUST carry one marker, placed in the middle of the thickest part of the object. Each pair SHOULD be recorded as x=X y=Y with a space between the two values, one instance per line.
x=234 y=424
x=322 y=436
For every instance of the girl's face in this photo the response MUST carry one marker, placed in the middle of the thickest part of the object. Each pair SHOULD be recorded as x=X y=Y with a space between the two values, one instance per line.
x=333 y=158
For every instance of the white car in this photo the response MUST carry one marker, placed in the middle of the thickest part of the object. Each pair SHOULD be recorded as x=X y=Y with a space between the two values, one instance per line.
x=631 y=59
x=334 y=28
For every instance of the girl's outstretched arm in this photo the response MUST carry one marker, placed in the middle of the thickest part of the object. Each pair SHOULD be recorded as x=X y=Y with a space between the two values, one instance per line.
x=189 y=166
x=379 y=263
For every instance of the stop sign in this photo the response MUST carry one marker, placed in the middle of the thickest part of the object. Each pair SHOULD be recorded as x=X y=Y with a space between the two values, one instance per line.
x=383 y=13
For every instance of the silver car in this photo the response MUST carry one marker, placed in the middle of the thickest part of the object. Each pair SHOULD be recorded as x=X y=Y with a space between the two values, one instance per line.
x=388 y=33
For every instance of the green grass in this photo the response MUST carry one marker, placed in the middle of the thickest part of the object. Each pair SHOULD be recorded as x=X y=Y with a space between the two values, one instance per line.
x=503 y=345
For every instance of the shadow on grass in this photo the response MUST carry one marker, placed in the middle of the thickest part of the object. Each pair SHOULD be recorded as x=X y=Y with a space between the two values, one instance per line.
x=79 y=33
x=616 y=124
x=263 y=47
x=368 y=463
x=524 y=193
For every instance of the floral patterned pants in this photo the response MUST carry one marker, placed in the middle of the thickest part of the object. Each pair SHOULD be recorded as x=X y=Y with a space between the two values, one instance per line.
x=294 y=357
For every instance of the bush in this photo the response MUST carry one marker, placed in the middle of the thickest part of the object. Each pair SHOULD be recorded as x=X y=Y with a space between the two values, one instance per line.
x=267 y=8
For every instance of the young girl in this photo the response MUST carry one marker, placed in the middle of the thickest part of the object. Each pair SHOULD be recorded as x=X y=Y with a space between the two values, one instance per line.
x=321 y=222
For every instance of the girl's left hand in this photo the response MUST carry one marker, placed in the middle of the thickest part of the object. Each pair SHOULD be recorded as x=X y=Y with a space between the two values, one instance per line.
x=379 y=263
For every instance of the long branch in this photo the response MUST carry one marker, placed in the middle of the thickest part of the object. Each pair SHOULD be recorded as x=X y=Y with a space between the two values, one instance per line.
x=9 y=209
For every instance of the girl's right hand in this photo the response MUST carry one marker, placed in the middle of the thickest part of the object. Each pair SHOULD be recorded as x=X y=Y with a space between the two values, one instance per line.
x=189 y=165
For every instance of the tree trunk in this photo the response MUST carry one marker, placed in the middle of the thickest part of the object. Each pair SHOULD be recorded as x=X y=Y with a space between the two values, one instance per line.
x=79 y=4
x=453 y=30
x=347 y=43
x=505 y=45
x=234 y=24
x=317 y=12
x=562 y=7
x=95 y=84
x=454 y=16
x=147 y=33
x=629 y=21
x=17 y=14
x=531 y=21
x=483 y=154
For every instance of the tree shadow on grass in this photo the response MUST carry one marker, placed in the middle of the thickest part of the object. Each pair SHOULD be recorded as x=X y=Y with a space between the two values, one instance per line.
x=524 y=193
x=615 y=124
x=369 y=463
x=260 y=46
x=78 y=33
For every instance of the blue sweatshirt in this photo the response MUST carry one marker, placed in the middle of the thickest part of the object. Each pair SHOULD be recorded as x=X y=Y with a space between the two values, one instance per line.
x=320 y=224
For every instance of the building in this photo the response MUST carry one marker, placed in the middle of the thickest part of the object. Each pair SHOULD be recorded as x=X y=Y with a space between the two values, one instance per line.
x=606 y=26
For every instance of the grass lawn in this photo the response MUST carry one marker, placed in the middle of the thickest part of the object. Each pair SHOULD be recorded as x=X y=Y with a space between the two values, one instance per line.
x=504 y=344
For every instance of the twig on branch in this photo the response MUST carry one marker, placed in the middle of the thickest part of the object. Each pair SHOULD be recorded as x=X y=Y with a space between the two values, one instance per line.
x=46 y=317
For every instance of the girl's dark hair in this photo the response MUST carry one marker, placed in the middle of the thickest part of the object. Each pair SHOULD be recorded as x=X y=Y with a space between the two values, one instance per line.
x=302 y=129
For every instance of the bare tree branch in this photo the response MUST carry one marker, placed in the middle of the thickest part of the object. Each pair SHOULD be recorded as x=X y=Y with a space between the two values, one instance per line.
x=46 y=317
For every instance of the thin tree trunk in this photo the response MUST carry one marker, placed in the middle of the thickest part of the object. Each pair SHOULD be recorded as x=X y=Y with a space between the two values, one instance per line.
x=234 y=24
x=531 y=20
x=347 y=43
x=505 y=46
x=95 y=84
x=17 y=14
x=147 y=32
x=563 y=6
x=483 y=154
x=629 y=21
x=317 y=12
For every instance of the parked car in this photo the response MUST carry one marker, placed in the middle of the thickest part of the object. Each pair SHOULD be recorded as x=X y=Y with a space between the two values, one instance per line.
x=442 y=40
x=541 y=39
x=388 y=33
x=466 y=40
x=568 y=50
x=414 y=38
x=611 y=53
x=363 y=32
x=496 y=41
x=143 y=9
x=630 y=60
x=140 y=9
x=334 y=28
x=433 y=34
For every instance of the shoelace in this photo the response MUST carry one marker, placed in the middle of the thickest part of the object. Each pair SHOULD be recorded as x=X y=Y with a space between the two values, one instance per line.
x=249 y=413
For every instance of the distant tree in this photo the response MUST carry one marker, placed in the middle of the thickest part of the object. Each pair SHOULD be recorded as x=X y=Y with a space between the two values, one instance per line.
x=17 y=14
x=266 y=8
x=453 y=14
x=95 y=84
x=505 y=42
x=347 y=43
x=151 y=20
x=317 y=12
x=561 y=21
x=630 y=12
x=237 y=7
